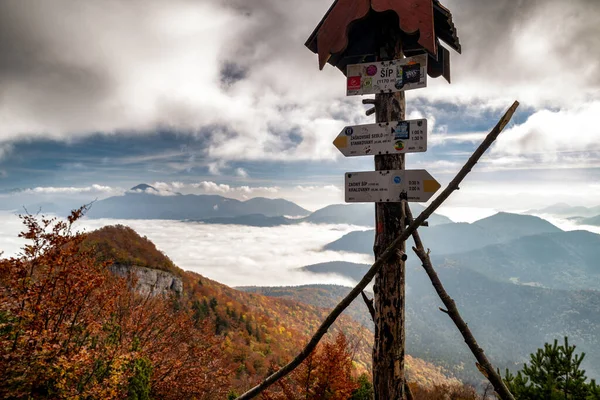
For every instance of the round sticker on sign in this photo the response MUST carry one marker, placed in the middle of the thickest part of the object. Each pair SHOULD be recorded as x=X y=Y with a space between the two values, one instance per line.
x=349 y=131
x=397 y=180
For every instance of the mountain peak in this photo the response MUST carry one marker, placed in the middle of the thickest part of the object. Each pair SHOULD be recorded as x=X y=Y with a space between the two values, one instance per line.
x=510 y=225
x=142 y=187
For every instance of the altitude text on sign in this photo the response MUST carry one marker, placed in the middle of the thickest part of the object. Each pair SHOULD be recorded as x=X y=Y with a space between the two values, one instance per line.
x=390 y=186
x=387 y=76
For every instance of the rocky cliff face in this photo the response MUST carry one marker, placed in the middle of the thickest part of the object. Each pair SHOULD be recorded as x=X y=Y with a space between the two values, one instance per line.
x=150 y=281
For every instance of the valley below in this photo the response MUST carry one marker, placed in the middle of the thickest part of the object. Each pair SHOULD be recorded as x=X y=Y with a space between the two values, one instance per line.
x=518 y=280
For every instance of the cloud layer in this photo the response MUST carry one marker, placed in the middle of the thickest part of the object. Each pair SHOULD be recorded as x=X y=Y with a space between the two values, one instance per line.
x=565 y=138
x=237 y=73
x=234 y=255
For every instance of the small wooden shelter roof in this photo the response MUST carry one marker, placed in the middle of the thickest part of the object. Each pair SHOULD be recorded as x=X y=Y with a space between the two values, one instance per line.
x=428 y=18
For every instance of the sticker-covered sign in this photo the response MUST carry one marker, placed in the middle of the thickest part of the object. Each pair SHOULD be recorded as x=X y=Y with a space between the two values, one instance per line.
x=387 y=76
x=390 y=186
x=383 y=138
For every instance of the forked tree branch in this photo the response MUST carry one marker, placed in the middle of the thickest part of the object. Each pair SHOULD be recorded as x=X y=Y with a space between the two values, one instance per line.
x=488 y=369
x=390 y=251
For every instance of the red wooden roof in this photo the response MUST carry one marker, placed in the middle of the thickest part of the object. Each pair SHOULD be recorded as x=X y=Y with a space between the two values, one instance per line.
x=425 y=16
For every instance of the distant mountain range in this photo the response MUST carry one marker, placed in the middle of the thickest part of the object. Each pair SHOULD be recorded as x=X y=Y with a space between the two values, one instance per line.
x=594 y=221
x=562 y=260
x=456 y=237
x=362 y=214
x=566 y=210
x=145 y=202
x=355 y=214
x=519 y=281
x=515 y=248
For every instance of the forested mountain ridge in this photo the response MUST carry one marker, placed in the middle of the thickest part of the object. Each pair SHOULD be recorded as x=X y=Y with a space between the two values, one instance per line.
x=509 y=320
x=563 y=260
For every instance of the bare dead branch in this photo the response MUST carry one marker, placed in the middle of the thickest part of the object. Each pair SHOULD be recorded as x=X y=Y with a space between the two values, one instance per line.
x=483 y=364
x=390 y=251
x=369 y=303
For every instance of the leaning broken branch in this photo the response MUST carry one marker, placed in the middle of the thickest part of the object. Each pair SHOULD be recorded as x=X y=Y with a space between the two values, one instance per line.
x=389 y=252
x=488 y=369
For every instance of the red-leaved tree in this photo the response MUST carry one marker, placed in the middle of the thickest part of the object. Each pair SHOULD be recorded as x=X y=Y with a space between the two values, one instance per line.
x=71 y=329
x=326 y=374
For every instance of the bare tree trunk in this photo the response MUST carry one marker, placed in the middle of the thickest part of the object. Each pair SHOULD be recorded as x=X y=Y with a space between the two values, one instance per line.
x=389 y=288
x=388 y=350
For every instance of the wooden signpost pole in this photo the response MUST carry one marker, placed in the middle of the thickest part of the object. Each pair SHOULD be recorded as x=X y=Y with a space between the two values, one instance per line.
x=388 y=349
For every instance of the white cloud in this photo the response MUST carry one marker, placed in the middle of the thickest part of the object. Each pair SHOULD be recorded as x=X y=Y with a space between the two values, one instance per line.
x=241 y=172
x=214 y=168
x=165 y=70
x=140 y=65
x=568 y=129
x=444 y=138
x=536 y=52
x=210 y=187
x=74 y=190
x=234 y=255
x=566 y=138
x=518 y=192
x=155 y=191
x=327 y=188
x=310 y=197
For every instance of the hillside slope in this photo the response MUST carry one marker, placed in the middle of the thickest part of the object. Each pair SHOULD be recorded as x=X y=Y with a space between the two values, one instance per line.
x=509 y=321
x=564 y=260
x=257 y=331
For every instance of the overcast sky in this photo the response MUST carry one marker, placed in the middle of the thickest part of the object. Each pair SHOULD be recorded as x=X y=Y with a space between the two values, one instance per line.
x=221 y=96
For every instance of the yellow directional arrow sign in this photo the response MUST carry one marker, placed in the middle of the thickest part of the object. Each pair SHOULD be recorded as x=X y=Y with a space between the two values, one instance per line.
x=383 y=138
x=390 y=186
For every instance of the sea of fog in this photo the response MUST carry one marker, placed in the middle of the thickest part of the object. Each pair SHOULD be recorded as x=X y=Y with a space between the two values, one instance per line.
x=231 y=254
x=241 y=255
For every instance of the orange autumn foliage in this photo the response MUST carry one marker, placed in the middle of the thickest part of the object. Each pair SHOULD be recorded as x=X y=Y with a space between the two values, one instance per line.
x=120 y=244
x=71 y=329
x=444 y=392
x=326 y=374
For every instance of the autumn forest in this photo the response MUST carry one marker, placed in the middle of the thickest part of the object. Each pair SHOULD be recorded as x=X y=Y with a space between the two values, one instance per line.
x=71 y=328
